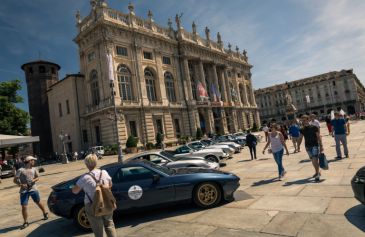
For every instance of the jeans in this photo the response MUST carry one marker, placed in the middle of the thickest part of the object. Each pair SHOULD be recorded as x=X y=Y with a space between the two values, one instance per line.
x=98 y=223
x=278 y=156
x=252 y=152
x=341 y=138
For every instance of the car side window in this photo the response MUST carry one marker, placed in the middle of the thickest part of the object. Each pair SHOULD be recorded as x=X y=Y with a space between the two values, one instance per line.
x=183 y=149
x=157 y=159
x=134 y=173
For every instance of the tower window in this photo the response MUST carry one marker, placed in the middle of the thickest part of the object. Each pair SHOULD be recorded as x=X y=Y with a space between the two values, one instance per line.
x=147 y=55
x=42 y=69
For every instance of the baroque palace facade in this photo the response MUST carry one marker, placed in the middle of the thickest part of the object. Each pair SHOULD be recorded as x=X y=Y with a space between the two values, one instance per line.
x=165 y=80
x=318 y=94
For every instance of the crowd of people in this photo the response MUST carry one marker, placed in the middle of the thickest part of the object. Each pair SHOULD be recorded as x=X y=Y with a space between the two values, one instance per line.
x=307 y=127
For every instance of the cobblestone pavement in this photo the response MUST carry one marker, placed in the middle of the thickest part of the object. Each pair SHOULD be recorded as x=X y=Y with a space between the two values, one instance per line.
x=264 y=207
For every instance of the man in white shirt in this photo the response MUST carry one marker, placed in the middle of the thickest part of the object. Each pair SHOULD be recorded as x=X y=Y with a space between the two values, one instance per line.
x=315 y=122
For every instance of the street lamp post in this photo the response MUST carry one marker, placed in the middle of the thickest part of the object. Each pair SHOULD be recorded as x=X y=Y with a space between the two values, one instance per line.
x=112 y=89
x=116 y=118
x=64 y=155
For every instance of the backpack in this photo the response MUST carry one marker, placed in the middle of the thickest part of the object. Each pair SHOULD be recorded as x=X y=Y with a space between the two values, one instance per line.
x=104 y=202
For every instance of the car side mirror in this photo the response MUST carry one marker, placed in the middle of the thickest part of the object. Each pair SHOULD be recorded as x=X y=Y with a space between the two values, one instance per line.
x=156 y=178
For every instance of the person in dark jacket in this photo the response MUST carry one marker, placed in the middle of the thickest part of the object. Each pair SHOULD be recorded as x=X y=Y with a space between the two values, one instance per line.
x=251 y=142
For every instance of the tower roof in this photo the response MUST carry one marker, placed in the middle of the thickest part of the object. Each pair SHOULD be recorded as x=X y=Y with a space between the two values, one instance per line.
x=40 y=62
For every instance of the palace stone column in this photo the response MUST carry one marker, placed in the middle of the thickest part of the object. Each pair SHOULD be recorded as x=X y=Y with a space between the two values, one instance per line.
x=228 y=88
x=188 y=89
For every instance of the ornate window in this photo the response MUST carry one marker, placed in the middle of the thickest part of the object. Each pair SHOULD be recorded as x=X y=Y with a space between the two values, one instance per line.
x=170 y=87
x=150 y=85
x=124 y=82
x=94 y=84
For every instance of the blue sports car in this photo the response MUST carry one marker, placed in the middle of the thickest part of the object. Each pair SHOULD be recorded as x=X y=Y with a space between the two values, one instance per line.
x=141 y=184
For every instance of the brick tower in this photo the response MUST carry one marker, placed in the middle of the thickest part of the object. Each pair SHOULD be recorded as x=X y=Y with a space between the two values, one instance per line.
x=40 y=75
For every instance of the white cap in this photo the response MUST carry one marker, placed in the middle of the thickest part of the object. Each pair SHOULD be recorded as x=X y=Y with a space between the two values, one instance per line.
x=29 y=158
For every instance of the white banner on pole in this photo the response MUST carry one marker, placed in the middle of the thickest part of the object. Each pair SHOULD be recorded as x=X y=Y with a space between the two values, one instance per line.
x=308 y=99
x=110 y=67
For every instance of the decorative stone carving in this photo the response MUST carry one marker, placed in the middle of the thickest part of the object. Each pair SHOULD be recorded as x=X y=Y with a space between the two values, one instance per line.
x=78 y=17
x=150 y=16
x=245 y=55
x=131 y=8
x=219 y=39
x=229 y=47
x=169 y=23
x=178 y=21
x=207 y=33
x=193 y=26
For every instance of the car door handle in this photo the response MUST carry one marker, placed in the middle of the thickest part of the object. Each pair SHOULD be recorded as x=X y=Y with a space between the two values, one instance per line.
x=164 y=187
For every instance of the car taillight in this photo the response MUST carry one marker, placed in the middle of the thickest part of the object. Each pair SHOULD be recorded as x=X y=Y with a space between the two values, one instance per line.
x=53 y=198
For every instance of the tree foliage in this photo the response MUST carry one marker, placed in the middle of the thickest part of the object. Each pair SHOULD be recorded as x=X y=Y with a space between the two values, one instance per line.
x=13 y=121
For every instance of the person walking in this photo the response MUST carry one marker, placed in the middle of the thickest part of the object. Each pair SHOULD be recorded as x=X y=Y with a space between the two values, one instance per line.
x=313 y=121
x=294 y=132
x=87 y=184
x=26 y=179
x=277 y=142
x=251 y=142
x=313 y=144
x=266 y=131
x=329 y=125
x=340 y=131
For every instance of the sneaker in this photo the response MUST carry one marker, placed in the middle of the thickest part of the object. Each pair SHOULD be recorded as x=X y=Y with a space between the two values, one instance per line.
x=347 y=156
x=283 y=174
x=45 y=216
x=25 y=225
x=338 y=157
x=318 y=178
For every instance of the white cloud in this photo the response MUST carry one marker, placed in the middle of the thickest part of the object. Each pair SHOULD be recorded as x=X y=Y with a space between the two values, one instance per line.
x=334 y=40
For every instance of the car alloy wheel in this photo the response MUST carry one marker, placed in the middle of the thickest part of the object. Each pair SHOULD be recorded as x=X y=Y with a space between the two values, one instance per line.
x=207 y=195
x=81 y=218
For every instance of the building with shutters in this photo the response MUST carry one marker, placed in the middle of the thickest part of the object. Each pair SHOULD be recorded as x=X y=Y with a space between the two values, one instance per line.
x=319 y=94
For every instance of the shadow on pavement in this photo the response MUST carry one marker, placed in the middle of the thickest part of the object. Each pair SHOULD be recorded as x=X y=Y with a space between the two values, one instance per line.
x=356 y=216
x=265 y=181
x=65 y=227
x=303 y=181
x=305 y=161
x=244 y=161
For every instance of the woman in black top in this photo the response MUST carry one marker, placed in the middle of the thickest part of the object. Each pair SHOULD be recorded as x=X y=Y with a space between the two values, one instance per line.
x=251 y=142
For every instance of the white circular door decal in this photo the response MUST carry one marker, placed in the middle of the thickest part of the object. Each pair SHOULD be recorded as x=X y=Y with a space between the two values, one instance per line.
x=135 y=192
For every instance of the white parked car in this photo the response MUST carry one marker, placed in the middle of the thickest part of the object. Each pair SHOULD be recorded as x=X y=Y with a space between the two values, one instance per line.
x=237 y=148
x=98 y=149
x=209 y=154
x=197 y=145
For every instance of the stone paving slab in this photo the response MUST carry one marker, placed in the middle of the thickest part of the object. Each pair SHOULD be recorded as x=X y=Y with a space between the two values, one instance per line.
x=237 y=233
x=252 y=220
x=292 y=204
x=346 y=206
x=327 y=191
x=286 y=223
x=170 y=228
x=333 y=226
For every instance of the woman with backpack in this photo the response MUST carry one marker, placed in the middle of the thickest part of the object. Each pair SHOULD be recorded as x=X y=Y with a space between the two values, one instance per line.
x=90 y=182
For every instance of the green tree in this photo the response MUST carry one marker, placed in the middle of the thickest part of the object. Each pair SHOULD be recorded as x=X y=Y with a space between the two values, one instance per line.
x=13 y=121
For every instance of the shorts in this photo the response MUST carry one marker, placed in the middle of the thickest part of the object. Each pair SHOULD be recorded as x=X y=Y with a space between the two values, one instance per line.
x=24 y=197
x=313 y=152
x=295 y=139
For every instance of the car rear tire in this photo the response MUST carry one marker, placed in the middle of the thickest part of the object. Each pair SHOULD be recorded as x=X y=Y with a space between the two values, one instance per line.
x=212 y=158
x=80 y=218
x=207 y=195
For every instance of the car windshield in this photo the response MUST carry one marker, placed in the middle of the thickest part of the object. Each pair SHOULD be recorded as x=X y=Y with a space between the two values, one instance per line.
x=163 y=169
x=205 y=143
x=169 y=155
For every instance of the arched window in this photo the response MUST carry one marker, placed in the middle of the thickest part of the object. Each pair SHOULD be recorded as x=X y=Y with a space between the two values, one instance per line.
x=94 y=85
x=170 y=87
x=124 y=82
x=150 y=85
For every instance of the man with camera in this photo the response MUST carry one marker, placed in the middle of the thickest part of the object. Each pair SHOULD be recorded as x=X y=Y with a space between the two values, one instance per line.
x=26 y=178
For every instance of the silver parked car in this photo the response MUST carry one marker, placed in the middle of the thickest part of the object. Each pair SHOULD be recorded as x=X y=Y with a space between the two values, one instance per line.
x=166 y=159
x=197 y=145
x=208 y=154
x=209 y=142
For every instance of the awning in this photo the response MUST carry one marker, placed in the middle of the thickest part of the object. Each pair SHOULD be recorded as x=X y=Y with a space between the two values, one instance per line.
x=10 y=140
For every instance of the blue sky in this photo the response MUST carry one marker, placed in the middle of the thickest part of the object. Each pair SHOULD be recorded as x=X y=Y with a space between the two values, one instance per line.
x=285 y=39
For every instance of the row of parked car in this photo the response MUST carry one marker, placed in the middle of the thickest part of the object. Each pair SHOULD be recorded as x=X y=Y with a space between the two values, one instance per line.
x=191 y=172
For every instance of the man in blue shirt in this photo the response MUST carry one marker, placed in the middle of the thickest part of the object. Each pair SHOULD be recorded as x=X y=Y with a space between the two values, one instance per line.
x=340 y=132
x=294 y=132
